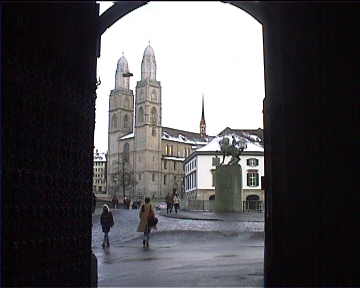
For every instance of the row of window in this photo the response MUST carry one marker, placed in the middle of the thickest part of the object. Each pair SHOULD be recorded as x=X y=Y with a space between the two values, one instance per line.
x=153 y=115
x=166 y=177
x=99 y=163
x=153 y=95
x=252 y=179
x=97 y=181
x=191 y=165
x=99 y=175
x=99 y=170
x=190 y=181
x=171 y=152
x=125 y=122
x=166 y=165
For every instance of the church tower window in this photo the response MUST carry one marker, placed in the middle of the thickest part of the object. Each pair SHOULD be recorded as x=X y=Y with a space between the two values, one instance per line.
x=126 y=121
x=114 y=121
x=141 y=115
x=153 y=96
x=126 y=152
x=153 y=118
x=127 y=103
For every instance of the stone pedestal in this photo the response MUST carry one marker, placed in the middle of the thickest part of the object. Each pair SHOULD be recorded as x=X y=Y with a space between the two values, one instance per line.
x=228 y=189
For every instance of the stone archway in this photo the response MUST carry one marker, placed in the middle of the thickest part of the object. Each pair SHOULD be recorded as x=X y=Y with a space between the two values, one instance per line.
x=50 y=81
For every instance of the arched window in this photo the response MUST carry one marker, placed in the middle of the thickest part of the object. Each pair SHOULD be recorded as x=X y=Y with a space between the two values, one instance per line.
x=141 y=95
x=114 y=121
x=126 y=152
x=126 y=121
x=127 y=102
x=153 y=95
x=141 y=115
x=153 y=118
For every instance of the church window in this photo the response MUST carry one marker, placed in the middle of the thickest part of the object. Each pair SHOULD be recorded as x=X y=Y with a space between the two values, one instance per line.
x=127 y=103
x=126 y=152
x=164 y=179
x=126 y=121
x=167 y=150
x=114 y=121
x=170 y=150
x=185 y=152
x=141 y=95
x=153 y=131
x=174 y=165
x=139 y=176
x=141 y=115
x=153 y=177
x=153 y=95
x=153 y=116
x=165 y=164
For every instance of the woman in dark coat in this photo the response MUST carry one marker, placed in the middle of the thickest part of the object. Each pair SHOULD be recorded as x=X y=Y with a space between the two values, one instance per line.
x=107 y=221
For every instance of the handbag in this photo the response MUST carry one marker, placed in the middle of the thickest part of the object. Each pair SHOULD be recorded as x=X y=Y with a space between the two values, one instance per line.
x=152 y=220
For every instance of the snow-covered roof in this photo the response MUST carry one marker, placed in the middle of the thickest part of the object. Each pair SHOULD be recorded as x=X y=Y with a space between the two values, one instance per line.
x=214 y=145
x=128 y=136
x=182 y=136
x=174 y=158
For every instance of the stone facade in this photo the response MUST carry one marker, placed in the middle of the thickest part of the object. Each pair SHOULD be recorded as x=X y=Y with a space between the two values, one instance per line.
x=99 y=173
x=150 y=153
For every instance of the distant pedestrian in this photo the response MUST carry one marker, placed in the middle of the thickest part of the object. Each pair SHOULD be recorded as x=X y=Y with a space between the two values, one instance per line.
x=144 y=226
x=106 y=221
x=115 y=202
x=169 y=203
x=176 y=201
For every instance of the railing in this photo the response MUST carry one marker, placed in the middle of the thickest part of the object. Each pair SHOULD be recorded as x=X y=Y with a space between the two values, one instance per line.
x=253 y=206
x=209 y=205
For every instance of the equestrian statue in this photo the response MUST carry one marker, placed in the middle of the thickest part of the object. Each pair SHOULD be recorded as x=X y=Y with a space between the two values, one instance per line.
x=234 y=150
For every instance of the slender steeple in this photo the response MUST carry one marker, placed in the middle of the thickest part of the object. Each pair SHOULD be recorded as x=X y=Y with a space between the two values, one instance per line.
x=202 y=121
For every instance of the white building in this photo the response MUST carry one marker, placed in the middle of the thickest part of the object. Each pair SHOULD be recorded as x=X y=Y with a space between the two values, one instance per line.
x=99 y=173
x=200 y=167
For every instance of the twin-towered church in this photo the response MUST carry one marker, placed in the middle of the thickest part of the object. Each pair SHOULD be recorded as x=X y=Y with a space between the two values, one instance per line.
x=138 y=142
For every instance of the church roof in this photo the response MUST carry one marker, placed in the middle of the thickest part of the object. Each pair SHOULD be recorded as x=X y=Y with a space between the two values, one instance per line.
x=122 y=64
x=149 y=51
x=182 y=136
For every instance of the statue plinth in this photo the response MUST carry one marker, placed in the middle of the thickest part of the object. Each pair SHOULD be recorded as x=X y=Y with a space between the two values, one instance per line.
x=228 y=189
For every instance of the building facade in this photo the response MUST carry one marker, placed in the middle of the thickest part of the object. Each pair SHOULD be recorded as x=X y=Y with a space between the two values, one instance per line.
x=200 y=167
x=100 y=173
x=145 y=158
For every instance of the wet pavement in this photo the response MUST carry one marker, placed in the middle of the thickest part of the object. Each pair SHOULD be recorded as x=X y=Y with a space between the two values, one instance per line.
x=186 y=251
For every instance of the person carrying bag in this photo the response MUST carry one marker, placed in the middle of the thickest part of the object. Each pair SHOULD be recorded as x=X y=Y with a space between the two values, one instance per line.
x=148 y=221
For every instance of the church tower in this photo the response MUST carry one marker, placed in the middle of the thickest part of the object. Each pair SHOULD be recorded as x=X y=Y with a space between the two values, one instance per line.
x=148 y=128
x=121 y=114
x=202 y=121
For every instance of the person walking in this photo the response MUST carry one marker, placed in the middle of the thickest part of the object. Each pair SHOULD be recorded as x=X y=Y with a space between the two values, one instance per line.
x=145 y=211
x=106 y=221
x=169 y=204
x=176 y=201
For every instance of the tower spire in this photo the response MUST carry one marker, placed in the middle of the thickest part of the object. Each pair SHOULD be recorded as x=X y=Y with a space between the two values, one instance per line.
x=202 y=121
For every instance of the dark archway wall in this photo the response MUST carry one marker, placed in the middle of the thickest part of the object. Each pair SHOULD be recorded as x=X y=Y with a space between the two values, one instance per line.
x=311 y=139
x=311 y=136
x=49 y=66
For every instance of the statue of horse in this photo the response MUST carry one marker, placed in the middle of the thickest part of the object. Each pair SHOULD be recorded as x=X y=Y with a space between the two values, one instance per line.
x=232 y=150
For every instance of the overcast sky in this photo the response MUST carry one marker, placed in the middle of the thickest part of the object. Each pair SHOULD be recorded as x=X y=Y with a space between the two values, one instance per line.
x=209 y=48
